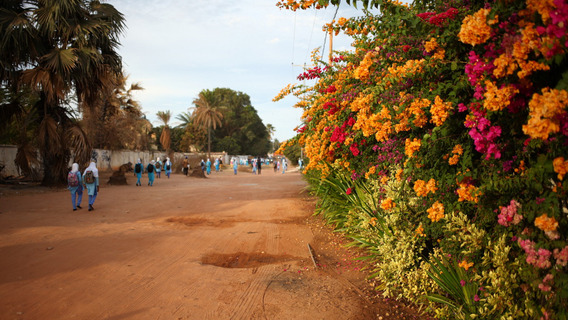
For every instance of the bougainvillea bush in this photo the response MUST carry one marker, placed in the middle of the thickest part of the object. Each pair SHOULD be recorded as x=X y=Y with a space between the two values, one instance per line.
x=440 y=143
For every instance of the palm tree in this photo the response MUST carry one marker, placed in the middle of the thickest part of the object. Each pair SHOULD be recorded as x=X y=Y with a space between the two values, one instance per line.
x=185 y=118
x=270 y=129
x=165 y=137
x=57 y=49
x=207 y=114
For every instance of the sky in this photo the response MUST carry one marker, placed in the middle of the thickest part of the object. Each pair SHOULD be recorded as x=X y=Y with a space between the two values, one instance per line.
x=177 y=48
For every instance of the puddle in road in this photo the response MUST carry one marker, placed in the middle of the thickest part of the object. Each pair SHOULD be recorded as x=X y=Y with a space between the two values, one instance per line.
x=245 y=260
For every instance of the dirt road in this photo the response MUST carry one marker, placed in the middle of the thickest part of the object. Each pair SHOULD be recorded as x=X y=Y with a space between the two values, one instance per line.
x=225 y=247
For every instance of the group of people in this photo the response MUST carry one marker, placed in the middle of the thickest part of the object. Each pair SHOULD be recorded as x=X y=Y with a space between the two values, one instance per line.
x=206 y=166
x=154 y=168
x=77 y=182
x=281 y=164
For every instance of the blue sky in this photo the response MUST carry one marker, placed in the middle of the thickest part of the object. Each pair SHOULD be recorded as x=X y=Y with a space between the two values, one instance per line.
x=176 y=48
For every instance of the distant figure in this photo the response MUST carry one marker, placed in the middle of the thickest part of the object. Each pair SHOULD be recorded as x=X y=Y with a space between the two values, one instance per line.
x=185 y=165
x=202 y=164
x=284 y=165
x=208 y=165
x=275 y=166
x=217 y=164
x=138 y=169
x=259 y=163
x=235 y=165
x=159 y=166
x=75 y=185
x=91 y=182
x=253 y=165
x=151 y=169
x=168 y=167
x=301 y=164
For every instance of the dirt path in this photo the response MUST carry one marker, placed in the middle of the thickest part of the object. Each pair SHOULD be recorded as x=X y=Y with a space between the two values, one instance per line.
x=226 y=247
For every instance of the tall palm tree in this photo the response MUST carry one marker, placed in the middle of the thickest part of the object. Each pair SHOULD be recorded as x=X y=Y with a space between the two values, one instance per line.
x=207 y=114
x=58 y=49
x=165 y=137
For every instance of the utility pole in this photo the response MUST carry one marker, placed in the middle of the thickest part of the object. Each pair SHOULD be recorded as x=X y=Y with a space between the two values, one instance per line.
x=330 y=45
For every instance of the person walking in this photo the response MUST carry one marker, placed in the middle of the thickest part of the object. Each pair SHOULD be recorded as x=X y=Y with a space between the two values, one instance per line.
x=275 y=165
x=208 y=165
x=259 y=163
x=217 y=165
x=284 y=165
x=159 y=166
x=168 y=167
x=91 y=183
x=185 y=166
x=253 y=164
x=138 y=169
x=75 y=185
x=235 y=166
x=151 y=169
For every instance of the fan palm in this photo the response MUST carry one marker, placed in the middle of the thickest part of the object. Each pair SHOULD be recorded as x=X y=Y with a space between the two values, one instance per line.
x=165 y=137
x=207 y=114
x=57 y=48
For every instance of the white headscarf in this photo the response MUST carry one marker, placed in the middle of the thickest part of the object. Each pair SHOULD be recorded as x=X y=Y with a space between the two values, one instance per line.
x=75 y=167
x=158 y=159
x=139 y=160
x=92 y=167
x=168 y=160
x=152 y=162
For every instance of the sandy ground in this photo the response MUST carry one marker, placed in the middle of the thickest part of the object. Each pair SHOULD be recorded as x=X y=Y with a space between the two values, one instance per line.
x=225 y=247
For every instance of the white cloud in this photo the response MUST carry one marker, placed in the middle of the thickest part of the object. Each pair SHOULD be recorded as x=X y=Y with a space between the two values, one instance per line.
x=177 y=48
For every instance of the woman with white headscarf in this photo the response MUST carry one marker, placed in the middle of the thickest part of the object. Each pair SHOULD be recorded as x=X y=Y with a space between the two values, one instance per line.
x=151 y=169
x=138 y=169
x=168 y=167
x=75 y=185
x=91 y=182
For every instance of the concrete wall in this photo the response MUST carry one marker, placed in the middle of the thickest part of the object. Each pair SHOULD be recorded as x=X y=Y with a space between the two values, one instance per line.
x=111 y=160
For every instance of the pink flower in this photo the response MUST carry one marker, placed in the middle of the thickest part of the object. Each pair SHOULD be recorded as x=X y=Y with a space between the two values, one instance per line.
x=348 y=191
x=475 y=298
x=462 y=282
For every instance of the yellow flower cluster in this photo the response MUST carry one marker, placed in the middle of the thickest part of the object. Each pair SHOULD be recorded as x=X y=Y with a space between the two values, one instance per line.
x=422 y=188
x=545 y=223
x=468 y=192
x=543 y=111
x=362 y=71
x=374 y=123
x=457 y=152
x=388 y=204
x=475 y=29
x=440 y=110
x=498 y=99
x=436 y=211
x=464 y=264
x=560 y=167
x=411 y=146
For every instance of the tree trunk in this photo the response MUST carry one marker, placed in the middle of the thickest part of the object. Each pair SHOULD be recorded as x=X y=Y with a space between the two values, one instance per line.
x=209 y=142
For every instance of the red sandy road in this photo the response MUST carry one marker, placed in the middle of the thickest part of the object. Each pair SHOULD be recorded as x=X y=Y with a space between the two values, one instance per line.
x=168 y=252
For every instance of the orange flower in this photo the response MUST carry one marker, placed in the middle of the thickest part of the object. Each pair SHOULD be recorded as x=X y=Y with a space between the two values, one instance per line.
x=467 y=192
x=545 y=223
x=411 y=146
x=543 y=112
x=475 y=28
x=387 y=204
x=466 y=265
x=436 y=211
x=440 y=111
x=560 y=167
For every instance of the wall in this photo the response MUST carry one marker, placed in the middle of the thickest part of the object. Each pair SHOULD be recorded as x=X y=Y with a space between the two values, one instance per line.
x=108 y=160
